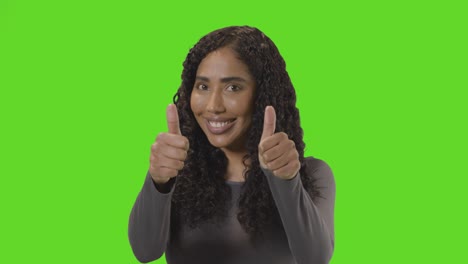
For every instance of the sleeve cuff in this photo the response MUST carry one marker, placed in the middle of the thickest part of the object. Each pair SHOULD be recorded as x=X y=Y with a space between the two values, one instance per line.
x=278 y=185
x=155 y=191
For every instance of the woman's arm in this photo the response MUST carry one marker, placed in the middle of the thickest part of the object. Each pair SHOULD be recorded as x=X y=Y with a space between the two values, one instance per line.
x=309 y=226
x=148 y=228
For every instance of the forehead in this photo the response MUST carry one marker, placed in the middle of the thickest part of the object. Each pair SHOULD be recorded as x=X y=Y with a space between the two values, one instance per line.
x=221 y=63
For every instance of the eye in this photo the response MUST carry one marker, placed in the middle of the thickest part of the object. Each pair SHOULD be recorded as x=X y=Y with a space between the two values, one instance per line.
x=201 y=87
x=233 y=88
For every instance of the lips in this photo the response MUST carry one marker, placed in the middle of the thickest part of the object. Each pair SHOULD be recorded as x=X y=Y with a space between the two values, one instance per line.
x=219 y=126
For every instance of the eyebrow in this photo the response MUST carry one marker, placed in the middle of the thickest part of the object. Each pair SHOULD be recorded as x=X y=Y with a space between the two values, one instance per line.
x=224 y=80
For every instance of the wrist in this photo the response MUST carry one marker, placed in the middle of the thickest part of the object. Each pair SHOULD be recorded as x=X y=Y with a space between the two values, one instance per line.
x=164 y=185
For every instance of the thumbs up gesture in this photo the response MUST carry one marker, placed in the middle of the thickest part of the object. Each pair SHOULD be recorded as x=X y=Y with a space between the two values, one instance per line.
x=276 y=152
x=169 y=151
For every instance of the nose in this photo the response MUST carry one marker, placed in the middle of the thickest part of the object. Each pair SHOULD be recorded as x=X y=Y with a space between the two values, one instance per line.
x=215 y=102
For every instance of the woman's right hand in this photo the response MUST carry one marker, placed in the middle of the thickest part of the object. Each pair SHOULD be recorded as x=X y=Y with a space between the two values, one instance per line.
x=169 y=151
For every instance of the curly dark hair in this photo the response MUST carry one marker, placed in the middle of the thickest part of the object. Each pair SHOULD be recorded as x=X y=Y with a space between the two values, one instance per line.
x=201 y=193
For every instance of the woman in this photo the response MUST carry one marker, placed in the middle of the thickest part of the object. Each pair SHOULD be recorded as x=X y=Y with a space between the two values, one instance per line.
x=229 y=182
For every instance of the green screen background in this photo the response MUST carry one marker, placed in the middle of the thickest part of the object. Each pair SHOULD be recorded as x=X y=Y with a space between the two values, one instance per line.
x=381 y=88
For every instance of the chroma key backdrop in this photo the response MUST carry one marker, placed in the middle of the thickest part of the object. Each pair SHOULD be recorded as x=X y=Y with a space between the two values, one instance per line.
x=381 y=87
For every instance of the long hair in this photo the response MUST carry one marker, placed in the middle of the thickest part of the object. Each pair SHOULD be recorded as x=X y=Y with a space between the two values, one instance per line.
x=201 y=193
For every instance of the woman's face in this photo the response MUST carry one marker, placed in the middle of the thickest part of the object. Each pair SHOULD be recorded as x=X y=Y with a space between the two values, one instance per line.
x=222 y=99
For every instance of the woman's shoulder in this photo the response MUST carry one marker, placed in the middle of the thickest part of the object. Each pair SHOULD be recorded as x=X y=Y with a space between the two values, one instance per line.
x=315 y=163
x=318 y=169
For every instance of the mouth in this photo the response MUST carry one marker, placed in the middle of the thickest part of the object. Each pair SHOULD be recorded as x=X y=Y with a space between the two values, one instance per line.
x=219 y=127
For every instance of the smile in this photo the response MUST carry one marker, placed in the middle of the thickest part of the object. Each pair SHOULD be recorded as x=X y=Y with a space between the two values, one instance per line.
x=219 y=127
x=219 y=124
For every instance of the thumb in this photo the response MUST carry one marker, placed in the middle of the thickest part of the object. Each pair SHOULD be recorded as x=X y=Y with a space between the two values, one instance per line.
x=269 y=122
x=172 y=119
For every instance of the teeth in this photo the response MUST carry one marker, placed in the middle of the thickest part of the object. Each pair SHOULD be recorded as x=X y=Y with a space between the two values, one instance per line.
x=218 y=124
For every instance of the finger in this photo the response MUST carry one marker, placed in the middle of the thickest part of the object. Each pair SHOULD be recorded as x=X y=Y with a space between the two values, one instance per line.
x=174 y=140
x=275 y=151
x=160 y=161
x=168 y=173
x=172 y=119
x=174 y=153
x=282 y=160
x=272 y=141
x=269 y=122
x=288 y=171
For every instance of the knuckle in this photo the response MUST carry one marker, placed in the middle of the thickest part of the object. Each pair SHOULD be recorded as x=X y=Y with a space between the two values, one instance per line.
x=278 y=172
x=173 y=173
x=298 y=166
x=155 y=173
x=154 y=146
x=157 y=158
x=295 y=165
x=275 y=172
x=160 y=136
x=292 y=143
x=272 y=164
x=162 y=173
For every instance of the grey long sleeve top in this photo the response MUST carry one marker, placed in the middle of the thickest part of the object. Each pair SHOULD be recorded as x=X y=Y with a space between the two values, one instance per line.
x=307 y=237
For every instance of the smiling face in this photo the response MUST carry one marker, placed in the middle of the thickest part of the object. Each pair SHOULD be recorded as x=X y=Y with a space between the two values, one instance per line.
x=222 y=99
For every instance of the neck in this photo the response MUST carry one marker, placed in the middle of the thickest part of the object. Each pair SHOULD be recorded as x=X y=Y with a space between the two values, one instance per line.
x=236 y=168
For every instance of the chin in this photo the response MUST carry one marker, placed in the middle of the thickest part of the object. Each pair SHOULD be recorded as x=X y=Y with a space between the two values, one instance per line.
x=219 y=143
x=228 y=144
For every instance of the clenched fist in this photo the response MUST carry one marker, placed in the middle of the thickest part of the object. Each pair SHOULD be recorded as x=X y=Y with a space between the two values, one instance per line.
x=169 y=151
x=276 y=152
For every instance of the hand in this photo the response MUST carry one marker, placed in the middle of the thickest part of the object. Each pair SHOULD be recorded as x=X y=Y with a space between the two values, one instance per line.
x=276 y=152
x=169 y=152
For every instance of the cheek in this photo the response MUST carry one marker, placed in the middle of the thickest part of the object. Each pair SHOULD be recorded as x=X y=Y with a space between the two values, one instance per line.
x=242 y=109
x=241 y=106
x=194 y=103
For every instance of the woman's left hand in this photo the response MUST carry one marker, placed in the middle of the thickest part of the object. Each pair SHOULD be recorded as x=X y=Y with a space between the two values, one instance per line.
x=276 y=152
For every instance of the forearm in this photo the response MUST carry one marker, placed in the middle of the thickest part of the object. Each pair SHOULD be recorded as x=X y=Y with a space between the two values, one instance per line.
x=149 y=222
x=308 y=236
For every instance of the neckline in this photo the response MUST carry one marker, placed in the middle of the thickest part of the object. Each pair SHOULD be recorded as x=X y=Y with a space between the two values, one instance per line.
x=234 y=182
